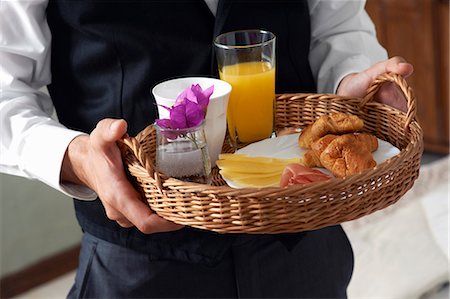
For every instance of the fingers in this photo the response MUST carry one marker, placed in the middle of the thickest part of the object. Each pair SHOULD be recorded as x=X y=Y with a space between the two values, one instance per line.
x=158 y=224
x=357 y=84
x=391 y=95
x=395 y=64
x=127 y=209
x=388 y=93
x=122 y=202
x=139 y=213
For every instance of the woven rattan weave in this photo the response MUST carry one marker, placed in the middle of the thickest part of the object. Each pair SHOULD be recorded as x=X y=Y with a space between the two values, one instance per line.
x=296 y=208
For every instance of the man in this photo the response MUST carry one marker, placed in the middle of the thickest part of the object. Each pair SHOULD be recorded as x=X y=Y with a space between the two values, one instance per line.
x=105 y=57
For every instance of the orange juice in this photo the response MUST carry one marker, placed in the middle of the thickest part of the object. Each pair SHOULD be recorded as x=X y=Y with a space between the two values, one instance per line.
x=250 y=108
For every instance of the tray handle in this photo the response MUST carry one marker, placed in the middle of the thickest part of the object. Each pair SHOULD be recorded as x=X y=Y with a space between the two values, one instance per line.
x=133 y=152
x=404 y=87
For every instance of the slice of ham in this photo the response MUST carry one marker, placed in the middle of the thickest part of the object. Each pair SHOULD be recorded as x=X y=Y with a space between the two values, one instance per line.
x=299 y=174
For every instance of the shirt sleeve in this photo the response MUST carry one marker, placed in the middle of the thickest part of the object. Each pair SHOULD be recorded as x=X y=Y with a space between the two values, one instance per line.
x=32 y=142
x=343 y=41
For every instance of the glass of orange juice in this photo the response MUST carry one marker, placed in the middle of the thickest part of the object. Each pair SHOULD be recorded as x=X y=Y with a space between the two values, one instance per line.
x=246 y=60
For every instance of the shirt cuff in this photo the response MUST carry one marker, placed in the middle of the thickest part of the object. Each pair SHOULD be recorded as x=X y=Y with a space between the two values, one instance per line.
x=42 y=158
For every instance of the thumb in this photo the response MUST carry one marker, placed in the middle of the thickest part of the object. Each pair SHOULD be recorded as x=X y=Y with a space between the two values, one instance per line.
x=399 y=66
x=117 y=129
x=395 y=64
x=108 y=130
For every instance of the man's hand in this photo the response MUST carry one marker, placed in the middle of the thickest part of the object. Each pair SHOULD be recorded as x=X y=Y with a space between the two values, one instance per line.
x=95 y=161
x=355 y=85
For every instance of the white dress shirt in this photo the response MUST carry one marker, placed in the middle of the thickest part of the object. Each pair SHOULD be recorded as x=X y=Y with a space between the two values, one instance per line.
x=33 y=144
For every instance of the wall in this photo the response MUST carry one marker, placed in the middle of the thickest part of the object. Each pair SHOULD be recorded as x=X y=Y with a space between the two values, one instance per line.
x=35 y=222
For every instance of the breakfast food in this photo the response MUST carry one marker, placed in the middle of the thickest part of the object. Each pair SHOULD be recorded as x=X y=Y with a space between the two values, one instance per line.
x=311 y=158
x=344 y=157
x=333 y=142
x=251 y=171
x=298 y=174
x=335 y=123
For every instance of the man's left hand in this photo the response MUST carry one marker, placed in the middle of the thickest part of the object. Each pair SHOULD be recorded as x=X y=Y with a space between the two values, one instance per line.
x=355 y=85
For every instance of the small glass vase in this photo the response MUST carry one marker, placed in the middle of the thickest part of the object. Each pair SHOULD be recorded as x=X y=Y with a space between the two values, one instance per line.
x=183 y=154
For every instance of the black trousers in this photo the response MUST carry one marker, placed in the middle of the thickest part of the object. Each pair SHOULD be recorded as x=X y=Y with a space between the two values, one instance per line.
x=319 y=266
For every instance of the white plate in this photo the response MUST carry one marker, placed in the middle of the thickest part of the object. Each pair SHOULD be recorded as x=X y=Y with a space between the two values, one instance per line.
x=286 y=147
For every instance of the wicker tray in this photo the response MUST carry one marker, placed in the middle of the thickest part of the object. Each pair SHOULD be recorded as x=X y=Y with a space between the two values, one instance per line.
x=296 y=208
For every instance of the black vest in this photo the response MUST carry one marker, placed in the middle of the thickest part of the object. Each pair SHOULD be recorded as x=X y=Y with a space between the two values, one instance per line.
x=107 y=55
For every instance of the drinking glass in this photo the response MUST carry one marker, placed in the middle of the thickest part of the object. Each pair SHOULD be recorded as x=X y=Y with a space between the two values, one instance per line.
x=183 y=154
x=246 y=60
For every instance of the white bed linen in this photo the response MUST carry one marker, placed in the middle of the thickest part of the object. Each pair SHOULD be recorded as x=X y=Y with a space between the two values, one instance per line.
x=402 y=251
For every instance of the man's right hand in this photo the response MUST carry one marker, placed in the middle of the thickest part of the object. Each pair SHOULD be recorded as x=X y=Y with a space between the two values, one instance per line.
x=95 y=162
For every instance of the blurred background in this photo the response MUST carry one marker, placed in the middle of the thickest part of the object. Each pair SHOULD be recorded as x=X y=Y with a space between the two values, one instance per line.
x=40 y=237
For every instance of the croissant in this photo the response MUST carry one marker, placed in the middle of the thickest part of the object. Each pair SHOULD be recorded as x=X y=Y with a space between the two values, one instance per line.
x=335 y=123
x=344 y=157
x=311 y=158
x=367 y=141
